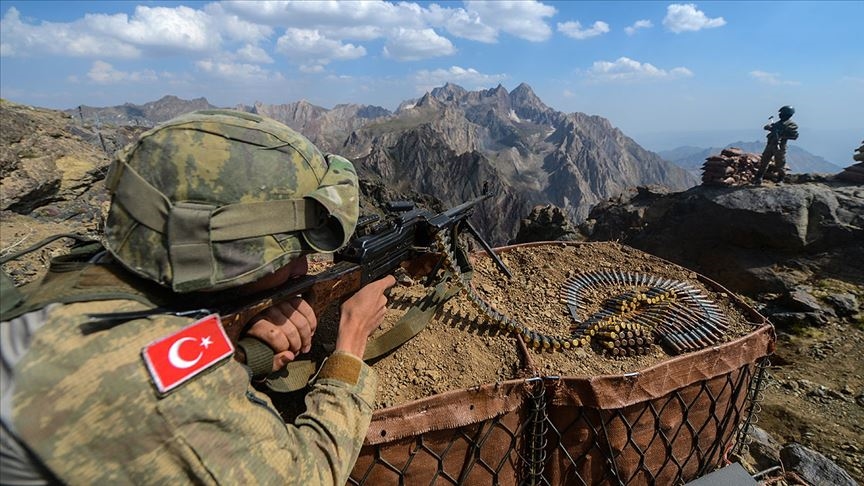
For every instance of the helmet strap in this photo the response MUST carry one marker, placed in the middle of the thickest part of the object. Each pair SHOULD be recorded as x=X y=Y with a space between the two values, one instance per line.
x=189 y=247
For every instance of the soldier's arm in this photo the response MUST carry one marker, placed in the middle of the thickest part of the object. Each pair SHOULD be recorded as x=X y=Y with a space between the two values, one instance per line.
x=219 y=424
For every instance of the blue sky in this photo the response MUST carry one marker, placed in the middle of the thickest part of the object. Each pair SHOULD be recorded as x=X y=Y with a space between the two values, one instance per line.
x=667 y=74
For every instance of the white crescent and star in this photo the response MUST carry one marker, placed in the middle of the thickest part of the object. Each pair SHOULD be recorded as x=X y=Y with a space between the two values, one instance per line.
x=174 y=353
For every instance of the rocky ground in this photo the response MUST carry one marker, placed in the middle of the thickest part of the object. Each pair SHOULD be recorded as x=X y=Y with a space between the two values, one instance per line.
x=815 y=393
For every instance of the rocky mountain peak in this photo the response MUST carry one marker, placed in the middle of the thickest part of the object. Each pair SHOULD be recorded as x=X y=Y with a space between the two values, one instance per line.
x=497 y=92
x=527 y=105
x=530 y=153
x=449 y=92
x=523 y=95
x=171 y=100
x=430 y=101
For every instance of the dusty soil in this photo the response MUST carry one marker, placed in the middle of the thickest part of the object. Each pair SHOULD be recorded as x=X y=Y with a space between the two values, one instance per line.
x=460 y=348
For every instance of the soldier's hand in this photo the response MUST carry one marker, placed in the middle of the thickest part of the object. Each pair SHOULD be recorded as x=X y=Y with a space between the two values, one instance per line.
x=362 y=314
x=288 y=328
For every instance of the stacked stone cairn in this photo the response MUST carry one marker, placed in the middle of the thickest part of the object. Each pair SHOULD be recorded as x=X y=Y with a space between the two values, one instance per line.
x=733 y=167
x=855 y=173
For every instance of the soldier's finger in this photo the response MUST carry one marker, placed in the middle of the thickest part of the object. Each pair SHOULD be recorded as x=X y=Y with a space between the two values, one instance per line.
x=270 y=334
x=306 y=310
x=303 y=328
x=282 y=359
x=385 y=283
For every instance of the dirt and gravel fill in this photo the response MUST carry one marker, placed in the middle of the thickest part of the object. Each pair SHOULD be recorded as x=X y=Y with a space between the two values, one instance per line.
x=461 y=348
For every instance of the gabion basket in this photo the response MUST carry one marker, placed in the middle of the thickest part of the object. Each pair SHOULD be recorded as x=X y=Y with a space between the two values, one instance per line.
x=666 y=424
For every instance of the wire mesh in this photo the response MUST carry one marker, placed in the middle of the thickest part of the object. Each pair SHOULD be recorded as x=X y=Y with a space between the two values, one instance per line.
x=667 y=440
x=483 y=453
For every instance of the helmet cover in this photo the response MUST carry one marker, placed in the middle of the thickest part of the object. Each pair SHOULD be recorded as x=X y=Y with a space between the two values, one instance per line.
x=218 y=198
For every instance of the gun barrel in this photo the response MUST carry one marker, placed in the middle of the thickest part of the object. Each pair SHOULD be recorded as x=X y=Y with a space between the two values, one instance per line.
x=458 y=212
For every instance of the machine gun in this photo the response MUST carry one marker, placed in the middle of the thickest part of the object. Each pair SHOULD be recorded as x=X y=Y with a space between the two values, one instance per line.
x=408 y=238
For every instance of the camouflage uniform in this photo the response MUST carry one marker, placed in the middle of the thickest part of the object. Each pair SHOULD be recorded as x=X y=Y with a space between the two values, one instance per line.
x=86 y=407
x=82 y=407
x=779 y=133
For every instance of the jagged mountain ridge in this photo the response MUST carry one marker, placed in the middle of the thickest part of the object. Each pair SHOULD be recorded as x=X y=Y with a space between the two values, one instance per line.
x=798 y=160
x=451 y=142
x=326 y=128
x=528 y=153
x=146 y=115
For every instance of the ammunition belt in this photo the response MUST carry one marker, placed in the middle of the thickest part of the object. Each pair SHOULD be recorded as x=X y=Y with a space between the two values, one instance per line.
x=675 y=314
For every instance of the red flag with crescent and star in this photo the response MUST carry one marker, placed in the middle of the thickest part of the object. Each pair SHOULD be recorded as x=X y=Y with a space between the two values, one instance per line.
x=178 y=358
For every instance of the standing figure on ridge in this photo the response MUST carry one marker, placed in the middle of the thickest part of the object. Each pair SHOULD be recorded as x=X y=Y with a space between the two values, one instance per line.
x=779 y=133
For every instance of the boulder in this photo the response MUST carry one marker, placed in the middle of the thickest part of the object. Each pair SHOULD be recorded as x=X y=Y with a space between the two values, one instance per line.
x=750 y=239
x=813 y=467
x=764 y=449
x=546 y=223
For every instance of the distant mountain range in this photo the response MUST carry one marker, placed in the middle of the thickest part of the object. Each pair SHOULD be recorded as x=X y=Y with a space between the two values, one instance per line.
x=798 y=160
x=451 y=143
x=146 y=115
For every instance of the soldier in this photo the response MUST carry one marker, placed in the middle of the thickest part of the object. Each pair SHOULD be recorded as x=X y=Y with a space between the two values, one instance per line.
x=211 y=204
x=779 y=133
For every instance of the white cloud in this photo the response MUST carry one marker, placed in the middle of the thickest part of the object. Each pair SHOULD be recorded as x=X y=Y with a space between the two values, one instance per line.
x=331 y=15
x=180 y=28
x=412 y=45
x=469 y=78
x=852 y=79
x=253 y=54
x=772 y=79
x=685 y=17
x=237 y=72
x=461 y=23
x=315 y=33
x=311 y=68
x=626 y=69
x=639 y=24
x=311 y=48
x=70 y=39
x=478 y=21
x=575 y=30
x=103 y=73
x=231 y=36
x=149 y=30
x=235 y=28
x=523 y=19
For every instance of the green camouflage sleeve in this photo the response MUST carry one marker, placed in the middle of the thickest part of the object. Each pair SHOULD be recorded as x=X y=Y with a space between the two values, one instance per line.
x=86 y=406
x=338 y=412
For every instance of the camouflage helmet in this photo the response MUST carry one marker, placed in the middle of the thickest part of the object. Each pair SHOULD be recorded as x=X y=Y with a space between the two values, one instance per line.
x=215 y=199
x=786 y=112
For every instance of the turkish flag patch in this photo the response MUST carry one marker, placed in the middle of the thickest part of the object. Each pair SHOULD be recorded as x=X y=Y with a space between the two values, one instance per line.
x=178 y=358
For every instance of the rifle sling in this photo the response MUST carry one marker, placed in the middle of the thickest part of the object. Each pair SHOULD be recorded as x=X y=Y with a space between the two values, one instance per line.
x=414 y=321
x=296 y=374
